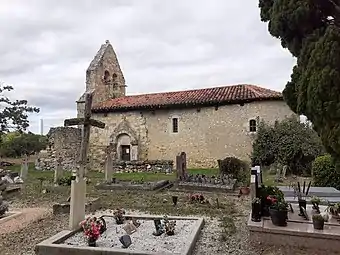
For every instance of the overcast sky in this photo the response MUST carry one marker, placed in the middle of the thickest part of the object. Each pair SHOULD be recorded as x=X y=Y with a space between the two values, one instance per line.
x=46 y=47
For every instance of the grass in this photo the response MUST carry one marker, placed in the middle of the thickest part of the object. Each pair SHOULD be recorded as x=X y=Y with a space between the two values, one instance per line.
x=269 y=179
x=148 y=201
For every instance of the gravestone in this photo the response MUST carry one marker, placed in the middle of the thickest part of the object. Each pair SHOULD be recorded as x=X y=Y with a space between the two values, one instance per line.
x=24 y=168
x=130 y=228
x=284 y=171
x=108 y=163
x=255 y=181
x=78 y=185
x=181 y=166
x=126 y=241
x=58 y=171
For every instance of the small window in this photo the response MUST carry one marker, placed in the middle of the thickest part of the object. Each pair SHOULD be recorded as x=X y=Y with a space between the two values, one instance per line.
x=106 y=75
x=252 y=125
x=175 y=125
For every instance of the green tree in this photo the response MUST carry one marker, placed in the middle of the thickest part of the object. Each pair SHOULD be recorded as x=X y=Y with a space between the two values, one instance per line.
x=310 y=30
x=13 y=114
x=16 y=144
x=288 y=142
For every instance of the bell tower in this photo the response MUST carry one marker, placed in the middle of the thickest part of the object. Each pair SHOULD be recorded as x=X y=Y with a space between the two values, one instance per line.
x=104 y=77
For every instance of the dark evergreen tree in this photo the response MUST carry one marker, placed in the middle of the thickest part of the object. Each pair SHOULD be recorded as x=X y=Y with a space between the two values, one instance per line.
x=310 y=30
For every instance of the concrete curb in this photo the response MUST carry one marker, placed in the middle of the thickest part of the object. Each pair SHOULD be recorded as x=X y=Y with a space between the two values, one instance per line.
x=7 y=218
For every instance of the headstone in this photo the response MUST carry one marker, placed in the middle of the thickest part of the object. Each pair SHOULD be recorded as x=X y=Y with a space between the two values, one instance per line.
x=254 y=184
x=181 y=166
x=108 y=163
x=78 y=185
x=126 y=241
x=24 y=168
x=130 y=228
x=58 y=171
x=284 y=171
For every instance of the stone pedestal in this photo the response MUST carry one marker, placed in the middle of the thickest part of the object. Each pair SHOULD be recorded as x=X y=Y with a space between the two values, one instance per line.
x=77 y=203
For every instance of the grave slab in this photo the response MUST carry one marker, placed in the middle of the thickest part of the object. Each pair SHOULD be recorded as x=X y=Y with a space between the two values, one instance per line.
x=314 y=191
x=298 y=232
x=66 y=242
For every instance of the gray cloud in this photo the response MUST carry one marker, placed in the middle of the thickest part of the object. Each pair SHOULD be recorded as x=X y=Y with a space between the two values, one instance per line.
x=46 y=47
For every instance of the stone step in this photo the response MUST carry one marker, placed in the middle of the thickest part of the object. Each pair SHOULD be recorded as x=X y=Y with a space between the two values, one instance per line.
x=313 y=191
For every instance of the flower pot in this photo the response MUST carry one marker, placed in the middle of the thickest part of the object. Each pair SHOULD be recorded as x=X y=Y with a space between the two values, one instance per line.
x=256 y=209
x=91 y=242
x=279 y=218
x=245 y=191
x=318 y=224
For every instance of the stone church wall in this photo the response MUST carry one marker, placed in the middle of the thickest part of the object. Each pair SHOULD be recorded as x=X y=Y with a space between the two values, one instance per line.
x=205 y=134
x=64 y=142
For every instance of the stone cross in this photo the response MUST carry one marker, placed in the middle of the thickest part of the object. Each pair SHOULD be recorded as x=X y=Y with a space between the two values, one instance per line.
x=108 y=163
x=58 y=171
x=181 y=166
x=78 y=186
x=24 y=168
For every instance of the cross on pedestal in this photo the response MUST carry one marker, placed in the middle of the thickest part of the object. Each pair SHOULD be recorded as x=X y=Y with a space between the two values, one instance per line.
x=78 y=186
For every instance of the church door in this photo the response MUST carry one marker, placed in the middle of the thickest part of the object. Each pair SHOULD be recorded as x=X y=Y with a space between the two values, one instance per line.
x=125 y=153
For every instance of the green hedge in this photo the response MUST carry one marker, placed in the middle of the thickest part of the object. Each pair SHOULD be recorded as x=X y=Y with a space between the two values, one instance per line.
x=325 y=174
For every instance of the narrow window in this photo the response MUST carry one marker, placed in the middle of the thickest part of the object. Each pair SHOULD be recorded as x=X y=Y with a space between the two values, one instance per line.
x=252 y=125
x=175 y=125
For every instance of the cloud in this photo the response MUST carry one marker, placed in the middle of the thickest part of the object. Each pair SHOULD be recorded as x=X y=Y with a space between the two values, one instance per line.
x=46 y=47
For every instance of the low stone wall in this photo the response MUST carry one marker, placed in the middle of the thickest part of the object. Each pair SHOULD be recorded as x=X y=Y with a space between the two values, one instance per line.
x=152 y=166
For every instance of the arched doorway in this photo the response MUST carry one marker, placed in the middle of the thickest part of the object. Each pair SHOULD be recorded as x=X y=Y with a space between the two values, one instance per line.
x=124 y=147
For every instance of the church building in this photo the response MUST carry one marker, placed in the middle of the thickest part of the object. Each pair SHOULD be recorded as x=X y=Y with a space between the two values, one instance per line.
x=208 y=124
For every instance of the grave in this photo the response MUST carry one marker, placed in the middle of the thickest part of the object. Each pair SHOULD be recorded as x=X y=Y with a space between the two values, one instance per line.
x=200 y=182
x=143 y=240
x=91 y=205
x=24 y=168
x=324 y=193
x=58 y=172
x=78 y=185
x=298 y=232
x=131 y=185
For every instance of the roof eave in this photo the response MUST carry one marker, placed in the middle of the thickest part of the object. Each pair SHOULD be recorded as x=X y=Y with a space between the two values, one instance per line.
x=181 y=105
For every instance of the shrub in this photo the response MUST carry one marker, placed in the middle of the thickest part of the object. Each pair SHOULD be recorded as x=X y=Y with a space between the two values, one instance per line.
x=288 y=142
x=235 y=167
x=325 y=173
x=65 y=181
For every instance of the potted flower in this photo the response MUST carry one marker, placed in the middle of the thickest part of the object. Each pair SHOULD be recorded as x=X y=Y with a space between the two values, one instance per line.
x=278 y=212
x=93 y=228
x=316 y=202
x=256 y=209
x=318 y=221
x=334 y=210
x=265 y=194
x=119 y=216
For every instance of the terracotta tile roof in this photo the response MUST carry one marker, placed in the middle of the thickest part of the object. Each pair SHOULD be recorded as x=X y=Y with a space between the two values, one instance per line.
x=235 y=94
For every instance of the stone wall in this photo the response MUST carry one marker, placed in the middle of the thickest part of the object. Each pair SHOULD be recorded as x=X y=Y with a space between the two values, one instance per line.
x=205 y=134
x=64 y=142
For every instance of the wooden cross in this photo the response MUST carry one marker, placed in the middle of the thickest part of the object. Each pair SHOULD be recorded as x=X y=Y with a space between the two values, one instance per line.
x=78 y=186
x=87 y=122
